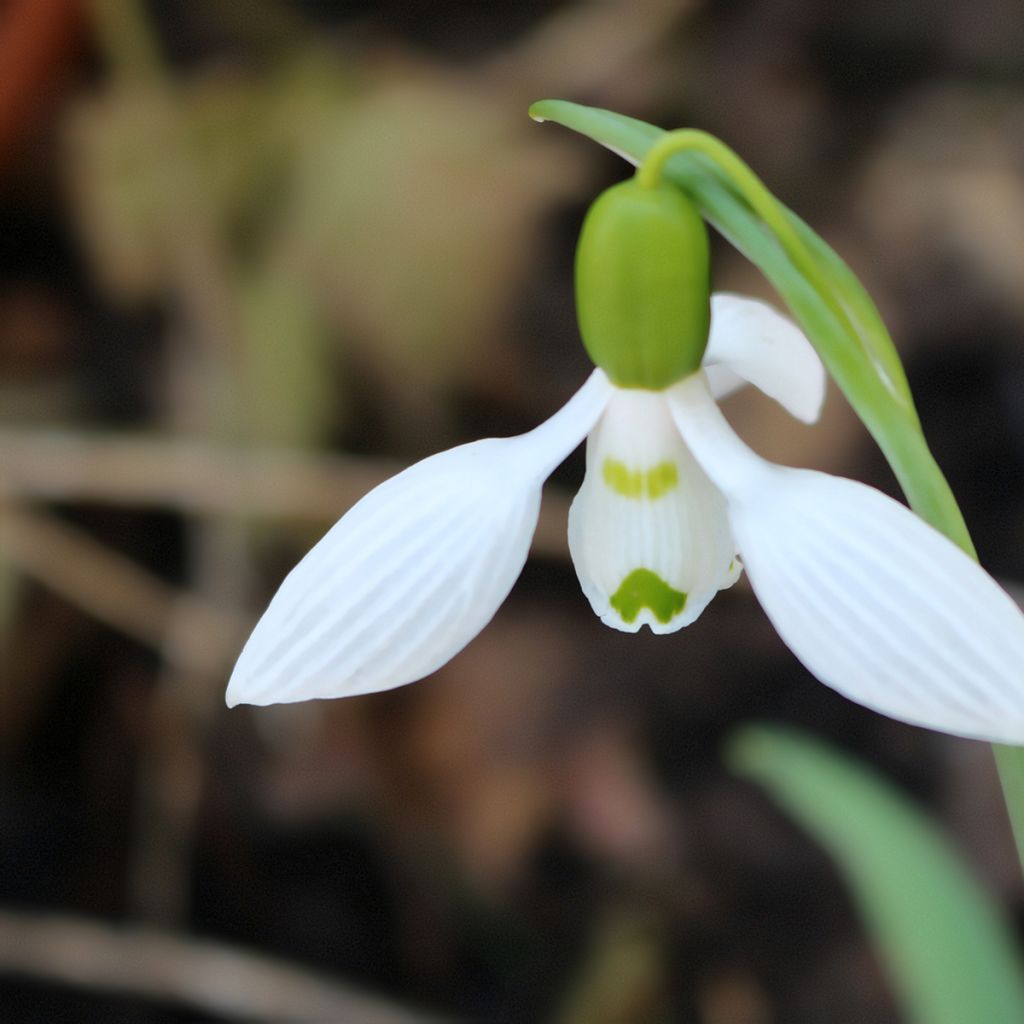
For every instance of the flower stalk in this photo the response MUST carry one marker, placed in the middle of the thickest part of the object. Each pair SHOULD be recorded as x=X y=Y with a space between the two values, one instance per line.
x=734 y=174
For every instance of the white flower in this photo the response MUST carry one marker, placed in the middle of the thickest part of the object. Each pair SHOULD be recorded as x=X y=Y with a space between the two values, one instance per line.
x=873 y=601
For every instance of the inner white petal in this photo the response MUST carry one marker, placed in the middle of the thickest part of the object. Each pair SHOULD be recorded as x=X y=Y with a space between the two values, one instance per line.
x=647 y=531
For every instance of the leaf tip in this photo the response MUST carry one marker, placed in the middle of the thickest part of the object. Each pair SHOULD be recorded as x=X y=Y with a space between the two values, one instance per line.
x=537 y=111
x=747 y=751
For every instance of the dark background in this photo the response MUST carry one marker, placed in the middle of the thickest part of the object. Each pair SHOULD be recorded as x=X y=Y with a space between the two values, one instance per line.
x=254 y=256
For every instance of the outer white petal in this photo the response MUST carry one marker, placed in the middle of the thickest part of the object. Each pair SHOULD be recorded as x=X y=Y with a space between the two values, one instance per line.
x=871 y=599
x=721 y=380
x=750 y=341
x=412 y=572
x=646 y=508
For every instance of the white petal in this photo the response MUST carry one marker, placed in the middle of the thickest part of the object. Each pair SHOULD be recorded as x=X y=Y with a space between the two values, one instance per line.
x=871 y=599
x=733 y=468
x=721 y=380
x=412 y=572
x=647 y=523
x=751 y=341
x=885 y=609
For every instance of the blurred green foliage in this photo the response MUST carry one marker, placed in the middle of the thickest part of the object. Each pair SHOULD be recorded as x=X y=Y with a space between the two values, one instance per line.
x=950 y=953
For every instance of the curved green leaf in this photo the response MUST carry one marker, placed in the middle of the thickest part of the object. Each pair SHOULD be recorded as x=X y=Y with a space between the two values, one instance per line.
x=950 y=955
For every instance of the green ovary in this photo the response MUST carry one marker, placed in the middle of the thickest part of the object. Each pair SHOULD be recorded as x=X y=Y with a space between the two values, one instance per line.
x=640 y=483
x=645 y=589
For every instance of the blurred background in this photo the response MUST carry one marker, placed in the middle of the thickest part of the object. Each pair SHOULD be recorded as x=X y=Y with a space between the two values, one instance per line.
x=255 y=256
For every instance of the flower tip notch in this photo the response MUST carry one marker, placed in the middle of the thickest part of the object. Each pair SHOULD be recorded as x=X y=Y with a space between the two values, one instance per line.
x=233 y=696
x=244 y=686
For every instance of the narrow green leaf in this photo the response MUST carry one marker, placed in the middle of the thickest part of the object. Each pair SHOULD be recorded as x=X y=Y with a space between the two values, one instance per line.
x=1010 y=762
x=950 y=955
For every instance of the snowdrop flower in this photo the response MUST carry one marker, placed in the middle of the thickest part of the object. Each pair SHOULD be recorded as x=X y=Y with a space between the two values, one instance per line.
x=672 y=508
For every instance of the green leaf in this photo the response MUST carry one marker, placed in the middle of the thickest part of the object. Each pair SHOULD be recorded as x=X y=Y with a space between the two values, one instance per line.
x=1010 y=762
x=950 y=954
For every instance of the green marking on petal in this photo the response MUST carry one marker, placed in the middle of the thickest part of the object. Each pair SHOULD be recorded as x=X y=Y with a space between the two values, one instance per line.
x=662 y=479
x=639 y=483
x=645 y=589
x=623 y=480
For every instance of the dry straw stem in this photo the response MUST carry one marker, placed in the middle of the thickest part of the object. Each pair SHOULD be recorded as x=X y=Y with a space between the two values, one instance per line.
x=205 y=976
x=205 y=479
x=190 y=632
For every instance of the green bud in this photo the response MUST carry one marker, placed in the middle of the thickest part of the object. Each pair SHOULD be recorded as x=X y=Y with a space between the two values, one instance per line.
x=642 y=285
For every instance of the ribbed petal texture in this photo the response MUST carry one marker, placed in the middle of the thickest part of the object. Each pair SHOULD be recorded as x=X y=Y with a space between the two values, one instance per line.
x=412 y=572
x=647 y=531
x=883 y=608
